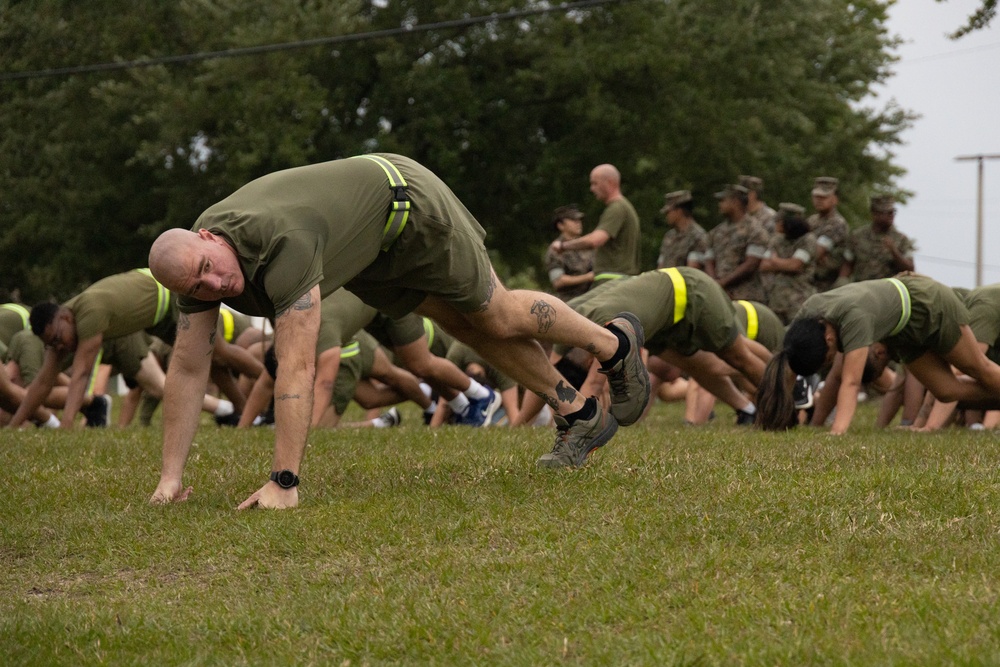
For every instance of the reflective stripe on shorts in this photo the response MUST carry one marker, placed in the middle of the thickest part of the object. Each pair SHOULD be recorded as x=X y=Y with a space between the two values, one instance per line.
x=680 y=292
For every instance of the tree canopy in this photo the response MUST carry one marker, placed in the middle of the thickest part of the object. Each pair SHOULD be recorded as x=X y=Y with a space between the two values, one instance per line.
x=513 y=114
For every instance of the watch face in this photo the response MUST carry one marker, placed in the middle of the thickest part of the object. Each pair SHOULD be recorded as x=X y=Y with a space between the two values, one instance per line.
x=286 y=479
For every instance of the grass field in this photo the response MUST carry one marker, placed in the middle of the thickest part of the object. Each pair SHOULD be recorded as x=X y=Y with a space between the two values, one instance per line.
x=674 y=546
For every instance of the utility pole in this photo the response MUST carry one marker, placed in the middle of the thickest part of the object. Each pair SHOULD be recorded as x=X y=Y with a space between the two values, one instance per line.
x=979 y=209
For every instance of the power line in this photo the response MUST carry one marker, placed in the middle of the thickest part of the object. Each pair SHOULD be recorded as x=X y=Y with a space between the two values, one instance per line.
x=301 y=44
x=948 y=54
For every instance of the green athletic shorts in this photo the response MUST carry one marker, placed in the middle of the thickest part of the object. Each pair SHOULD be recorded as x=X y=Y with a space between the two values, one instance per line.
x=440 y=252
x=708 y=321
x=770 y=332
x=397 y=332
x=126 y=353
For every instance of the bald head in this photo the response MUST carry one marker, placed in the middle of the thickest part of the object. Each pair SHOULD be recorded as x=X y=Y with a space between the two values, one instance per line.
x=606 y=182
x=166 y=254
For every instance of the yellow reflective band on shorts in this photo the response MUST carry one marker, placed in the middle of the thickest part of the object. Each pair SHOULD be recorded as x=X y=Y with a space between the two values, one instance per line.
x=352 y=349
x=904 y=295
x=429 y=331
x=753 y=322
x=228 y=324
x=20 y=310
x=609 y=276
x=162 y=297
x=400 y=209
x=680 y=292
x=93 y=373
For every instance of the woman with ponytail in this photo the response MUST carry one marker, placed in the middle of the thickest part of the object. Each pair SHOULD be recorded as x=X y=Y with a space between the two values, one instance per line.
x=922 y=323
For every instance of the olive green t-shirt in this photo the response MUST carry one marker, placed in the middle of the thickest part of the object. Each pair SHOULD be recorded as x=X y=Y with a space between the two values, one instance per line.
x=320 y=224
x=621 y=253
x=984 y=311
x=863 y=313
x=120 y=305
x=13 y=318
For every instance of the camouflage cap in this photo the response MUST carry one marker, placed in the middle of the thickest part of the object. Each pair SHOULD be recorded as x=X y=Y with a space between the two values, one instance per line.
x=672 y=199
x=786 y=209
x=563 y=212
x=730 y=190
x=883 y=204
x=825 y=186
x=752 y=183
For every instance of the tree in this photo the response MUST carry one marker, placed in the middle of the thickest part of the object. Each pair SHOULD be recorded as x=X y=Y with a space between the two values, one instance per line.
x=513 y=114
x=978 y=20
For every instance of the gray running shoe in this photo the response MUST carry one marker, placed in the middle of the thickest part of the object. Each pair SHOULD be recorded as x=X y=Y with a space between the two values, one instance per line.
x=629 y=378
x=574 y=442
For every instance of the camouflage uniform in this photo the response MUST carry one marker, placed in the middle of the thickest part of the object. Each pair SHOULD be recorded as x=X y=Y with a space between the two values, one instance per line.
x=831 y=233
x=870 y=257
x=729 y=244
x=678 y=248
x=765 y=216
x=570 y=263
x=789 y=290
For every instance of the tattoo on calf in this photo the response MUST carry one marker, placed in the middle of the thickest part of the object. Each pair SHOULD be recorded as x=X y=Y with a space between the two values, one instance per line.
x=591 y=348
x=549 y=401
x=285 y=397
x=545 y=313
x=565 y=392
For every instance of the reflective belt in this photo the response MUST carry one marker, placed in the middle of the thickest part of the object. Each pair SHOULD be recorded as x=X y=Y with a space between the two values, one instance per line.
x=429 y=331
x=162 y=297
x=680 y=292
x=609 y=276
x=753 y=323
x=352 y=349
x=228 y=324
x=20 y=310
x=904 y=295
x=399 y=211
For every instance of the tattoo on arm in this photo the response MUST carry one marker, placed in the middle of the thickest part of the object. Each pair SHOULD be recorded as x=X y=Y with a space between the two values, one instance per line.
x=184 y=322
x=304 y=302
x=285 y=397
x=211 y=342
x=545 y=313
x=591 y=348
x=491 y=288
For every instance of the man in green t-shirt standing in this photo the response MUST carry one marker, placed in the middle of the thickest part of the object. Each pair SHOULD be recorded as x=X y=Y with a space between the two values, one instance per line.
x=616 y=239
x=393 y=233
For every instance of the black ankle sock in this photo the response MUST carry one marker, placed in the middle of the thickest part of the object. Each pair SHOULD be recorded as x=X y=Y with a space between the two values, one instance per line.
x=588 y=411
x=623 y=347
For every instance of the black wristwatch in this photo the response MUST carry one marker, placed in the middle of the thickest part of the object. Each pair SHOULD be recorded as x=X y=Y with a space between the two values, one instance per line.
x=286 y=479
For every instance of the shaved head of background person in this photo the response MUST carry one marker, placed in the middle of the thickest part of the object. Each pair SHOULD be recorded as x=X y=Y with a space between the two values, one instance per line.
x=616 y=239
x=393 y=233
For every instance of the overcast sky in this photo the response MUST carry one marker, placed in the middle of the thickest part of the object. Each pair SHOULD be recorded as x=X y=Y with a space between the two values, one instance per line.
x=955 y=87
